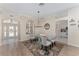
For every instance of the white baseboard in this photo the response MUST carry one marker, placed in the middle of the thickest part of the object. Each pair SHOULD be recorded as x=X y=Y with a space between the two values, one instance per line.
x=73 y=45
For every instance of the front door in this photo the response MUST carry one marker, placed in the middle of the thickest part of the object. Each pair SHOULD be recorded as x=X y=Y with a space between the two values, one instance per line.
x=10 y=31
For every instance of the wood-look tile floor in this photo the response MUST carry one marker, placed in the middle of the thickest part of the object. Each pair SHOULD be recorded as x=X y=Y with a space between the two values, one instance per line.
x=15 y=49
x=18 y=49
x=69 y=51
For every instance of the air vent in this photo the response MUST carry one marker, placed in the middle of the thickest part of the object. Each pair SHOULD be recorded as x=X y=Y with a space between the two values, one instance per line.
x=41 y=4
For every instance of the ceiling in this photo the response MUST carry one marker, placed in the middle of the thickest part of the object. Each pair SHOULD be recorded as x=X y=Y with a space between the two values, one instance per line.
x=32 y=8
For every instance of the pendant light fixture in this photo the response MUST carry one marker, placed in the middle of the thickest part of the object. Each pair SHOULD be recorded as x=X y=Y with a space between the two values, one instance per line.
x=38 y=12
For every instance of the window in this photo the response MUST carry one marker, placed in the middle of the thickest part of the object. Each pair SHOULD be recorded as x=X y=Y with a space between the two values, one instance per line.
x=7 y=21
x=11 y=34
x=11 y=28
x=4 y=34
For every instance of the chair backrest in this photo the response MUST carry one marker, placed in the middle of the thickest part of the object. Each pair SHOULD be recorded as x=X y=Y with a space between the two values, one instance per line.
x=44 y=39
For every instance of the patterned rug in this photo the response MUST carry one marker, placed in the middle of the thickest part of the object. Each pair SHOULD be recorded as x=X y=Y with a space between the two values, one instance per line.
x=36 y=51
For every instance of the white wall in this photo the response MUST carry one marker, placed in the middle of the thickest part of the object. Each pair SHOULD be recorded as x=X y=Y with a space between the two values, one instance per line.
x=0 y=30
x=73 y=31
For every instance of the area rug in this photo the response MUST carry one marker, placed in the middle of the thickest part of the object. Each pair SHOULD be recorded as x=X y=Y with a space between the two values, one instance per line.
x=36 y=51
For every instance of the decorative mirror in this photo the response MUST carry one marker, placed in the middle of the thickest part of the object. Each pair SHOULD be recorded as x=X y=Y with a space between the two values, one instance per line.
x=47 y=26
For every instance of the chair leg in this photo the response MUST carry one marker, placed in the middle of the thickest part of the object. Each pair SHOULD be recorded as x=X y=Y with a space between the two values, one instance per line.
x=54 y=43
